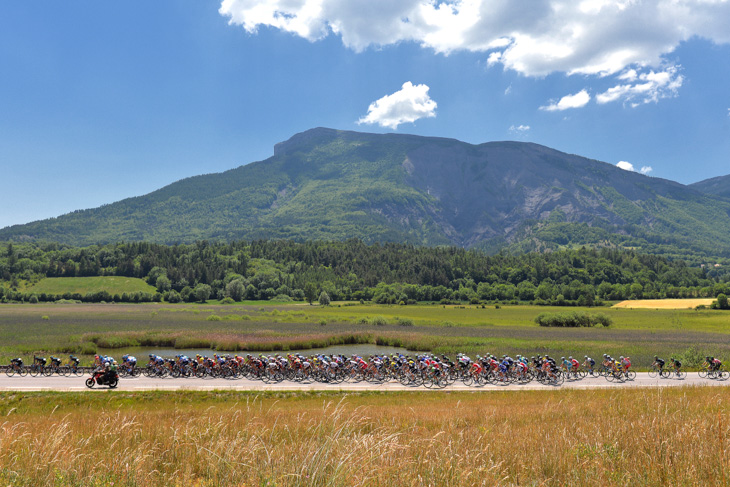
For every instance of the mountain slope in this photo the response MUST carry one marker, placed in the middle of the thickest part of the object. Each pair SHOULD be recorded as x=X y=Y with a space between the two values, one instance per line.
x=329 y=184
x=719 y=186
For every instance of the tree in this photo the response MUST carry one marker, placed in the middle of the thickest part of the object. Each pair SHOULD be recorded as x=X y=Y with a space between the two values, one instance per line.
x=173 y=297
x=235 y=289
x=324 y=299
x=163 y=284
x=202 y=292
x=310 y=292
x=722 y=302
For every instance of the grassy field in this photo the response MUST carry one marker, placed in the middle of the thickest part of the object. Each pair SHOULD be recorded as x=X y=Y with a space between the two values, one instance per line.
x=83 y=285
x=548 y=438
x=87 y=328
x=664 y=303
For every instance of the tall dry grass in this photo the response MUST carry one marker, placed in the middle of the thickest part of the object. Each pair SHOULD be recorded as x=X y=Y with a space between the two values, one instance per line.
x=623 y=437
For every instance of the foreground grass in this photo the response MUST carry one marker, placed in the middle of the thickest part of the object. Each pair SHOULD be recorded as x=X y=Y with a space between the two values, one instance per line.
x=618 y=437
x=90 y=328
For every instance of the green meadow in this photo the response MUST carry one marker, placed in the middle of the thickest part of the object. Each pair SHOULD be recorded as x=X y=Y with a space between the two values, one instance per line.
x=89 y=328
x=83 y=285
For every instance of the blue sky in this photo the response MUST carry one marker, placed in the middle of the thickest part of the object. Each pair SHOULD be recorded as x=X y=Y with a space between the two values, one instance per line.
x=100 y=101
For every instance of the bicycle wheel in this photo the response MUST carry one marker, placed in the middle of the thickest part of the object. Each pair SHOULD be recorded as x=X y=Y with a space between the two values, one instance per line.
x=631 y=375
x=10 y=371
x=654 y=372
x=665 y=374
x=34 y=371
x=702 y=373
x=681 y=375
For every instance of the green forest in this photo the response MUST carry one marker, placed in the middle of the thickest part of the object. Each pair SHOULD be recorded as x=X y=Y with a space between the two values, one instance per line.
x=352 y=270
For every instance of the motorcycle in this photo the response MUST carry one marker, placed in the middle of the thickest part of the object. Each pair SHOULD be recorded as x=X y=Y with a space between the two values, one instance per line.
x=103 y=379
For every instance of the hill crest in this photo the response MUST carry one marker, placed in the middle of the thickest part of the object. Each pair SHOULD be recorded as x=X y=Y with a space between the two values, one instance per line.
x=332 y=185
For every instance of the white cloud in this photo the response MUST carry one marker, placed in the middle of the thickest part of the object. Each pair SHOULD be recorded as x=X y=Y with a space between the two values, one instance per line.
x=577 y=100
x=534 y=38
x=626 y=166
x=519 y=128
x=645 y=87
x=406 y=105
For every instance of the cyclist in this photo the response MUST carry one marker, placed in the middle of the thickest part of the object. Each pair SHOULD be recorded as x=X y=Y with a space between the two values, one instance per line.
x=677 y=364
x=658 y=363
x=574 y=364
x=625 y=363
x=716 y=364
x=589 y=363
x=566 y=364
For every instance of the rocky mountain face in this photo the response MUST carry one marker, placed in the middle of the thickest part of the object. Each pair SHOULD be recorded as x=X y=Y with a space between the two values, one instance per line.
x=330 y=184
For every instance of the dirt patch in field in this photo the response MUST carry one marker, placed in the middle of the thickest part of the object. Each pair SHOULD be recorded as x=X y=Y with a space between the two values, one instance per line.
x=663 y=303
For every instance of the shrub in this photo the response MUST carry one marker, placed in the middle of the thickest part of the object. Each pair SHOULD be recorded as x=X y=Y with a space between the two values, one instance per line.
x=213 y=318
x=227 y=300
x=45 y=317
x=322 y=322
x=379 y=321
x=404 y=321
x=572 y=320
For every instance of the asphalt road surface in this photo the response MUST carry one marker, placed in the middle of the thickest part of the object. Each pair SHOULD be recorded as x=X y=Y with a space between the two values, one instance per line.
x=142 y=383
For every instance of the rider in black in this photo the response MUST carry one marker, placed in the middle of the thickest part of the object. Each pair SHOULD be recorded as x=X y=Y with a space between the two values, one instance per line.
x=659 y=362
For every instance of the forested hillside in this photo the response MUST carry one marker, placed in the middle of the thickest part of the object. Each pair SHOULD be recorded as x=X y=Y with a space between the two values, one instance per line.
x=326 y=184
x=390 y=273
x=719 y=186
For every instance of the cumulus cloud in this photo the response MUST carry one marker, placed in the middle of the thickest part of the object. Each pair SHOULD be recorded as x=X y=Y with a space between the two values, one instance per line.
x=577 y=100
x=519 y=128
x=644 y=87
x=408 y=104
x=627 y=39
x=627 y=166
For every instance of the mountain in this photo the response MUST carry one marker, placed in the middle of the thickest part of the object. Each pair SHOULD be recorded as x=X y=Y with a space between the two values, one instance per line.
x=333 y=185
x=719 y=186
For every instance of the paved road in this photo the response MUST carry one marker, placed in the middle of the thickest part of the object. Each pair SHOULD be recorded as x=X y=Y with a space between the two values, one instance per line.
x=153 y=384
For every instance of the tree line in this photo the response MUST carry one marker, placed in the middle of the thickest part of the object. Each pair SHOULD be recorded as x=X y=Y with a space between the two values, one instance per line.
x=353 y=270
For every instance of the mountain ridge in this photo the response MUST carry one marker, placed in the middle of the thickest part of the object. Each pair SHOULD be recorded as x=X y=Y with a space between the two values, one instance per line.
x=334 y=184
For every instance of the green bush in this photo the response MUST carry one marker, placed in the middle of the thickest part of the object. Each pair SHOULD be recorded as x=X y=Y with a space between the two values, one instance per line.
x=574 y=319
x=403 y=321
x=378 y=321
x=213 y=318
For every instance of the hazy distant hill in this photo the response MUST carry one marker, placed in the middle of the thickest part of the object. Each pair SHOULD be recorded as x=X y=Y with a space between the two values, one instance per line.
x=719 y=186
x=330 y=184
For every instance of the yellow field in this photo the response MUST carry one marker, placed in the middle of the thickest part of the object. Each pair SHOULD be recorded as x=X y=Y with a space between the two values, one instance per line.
x=663 y=303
